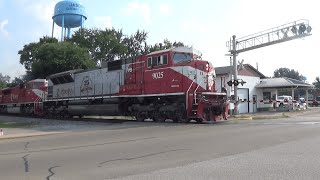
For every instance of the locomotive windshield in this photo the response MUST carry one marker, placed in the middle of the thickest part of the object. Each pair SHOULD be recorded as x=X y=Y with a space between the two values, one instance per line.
x=181 y=57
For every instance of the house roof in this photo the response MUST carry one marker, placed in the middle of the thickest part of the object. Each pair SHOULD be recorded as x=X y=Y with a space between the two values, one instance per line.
x=224 y=70
x=228 y=69
x=283 y=82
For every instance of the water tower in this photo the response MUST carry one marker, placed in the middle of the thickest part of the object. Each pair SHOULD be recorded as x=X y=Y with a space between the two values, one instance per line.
x=68 y=14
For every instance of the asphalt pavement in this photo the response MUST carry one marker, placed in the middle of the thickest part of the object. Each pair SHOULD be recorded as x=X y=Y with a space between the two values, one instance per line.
x=274 y=148
x=40 y=127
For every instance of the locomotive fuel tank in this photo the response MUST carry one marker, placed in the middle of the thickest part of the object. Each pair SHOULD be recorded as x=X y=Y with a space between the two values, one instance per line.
x=99 y=109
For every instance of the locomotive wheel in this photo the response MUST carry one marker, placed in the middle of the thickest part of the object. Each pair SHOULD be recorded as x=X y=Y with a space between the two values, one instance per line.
x=206 y=115
x=159 y=118
x=180 y=116
x=199 y=121
x=140 y=117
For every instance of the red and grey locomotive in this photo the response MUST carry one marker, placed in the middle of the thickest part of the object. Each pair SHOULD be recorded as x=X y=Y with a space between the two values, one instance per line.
x=168 y=84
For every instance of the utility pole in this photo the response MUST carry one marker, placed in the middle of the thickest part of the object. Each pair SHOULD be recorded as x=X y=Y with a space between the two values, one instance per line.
x=235 y=74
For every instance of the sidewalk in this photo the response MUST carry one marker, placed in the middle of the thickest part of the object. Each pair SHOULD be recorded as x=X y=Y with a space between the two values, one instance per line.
x=272 y=114
x=13 y=133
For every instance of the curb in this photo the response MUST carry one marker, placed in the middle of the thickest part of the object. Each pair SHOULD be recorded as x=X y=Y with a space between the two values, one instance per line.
x=16 y=136
x=259 y=117
x=240 y=118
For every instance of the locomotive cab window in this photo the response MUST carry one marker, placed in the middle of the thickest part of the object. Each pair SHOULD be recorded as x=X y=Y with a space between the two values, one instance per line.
x=157 y=60
x=149 y=61
x=181 y=57
x=38 y=84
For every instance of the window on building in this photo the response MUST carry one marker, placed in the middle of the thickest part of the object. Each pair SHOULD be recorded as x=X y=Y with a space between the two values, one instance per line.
x=266 y=96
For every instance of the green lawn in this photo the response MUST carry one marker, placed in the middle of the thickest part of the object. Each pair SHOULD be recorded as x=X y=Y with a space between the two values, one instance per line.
x=12 y=125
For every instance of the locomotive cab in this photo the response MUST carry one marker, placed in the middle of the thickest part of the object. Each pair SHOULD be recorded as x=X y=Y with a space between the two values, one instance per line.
x=40 y=84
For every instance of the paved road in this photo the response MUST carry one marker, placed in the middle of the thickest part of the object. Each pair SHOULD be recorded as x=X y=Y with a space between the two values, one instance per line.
x=260 y=149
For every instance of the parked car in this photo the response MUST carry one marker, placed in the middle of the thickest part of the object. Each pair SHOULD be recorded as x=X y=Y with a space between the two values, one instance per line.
x=284 y=100
x=316 y=101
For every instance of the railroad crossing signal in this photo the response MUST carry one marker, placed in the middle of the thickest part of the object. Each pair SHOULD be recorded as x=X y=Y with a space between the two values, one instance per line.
x=294 y=30
x=236 y=82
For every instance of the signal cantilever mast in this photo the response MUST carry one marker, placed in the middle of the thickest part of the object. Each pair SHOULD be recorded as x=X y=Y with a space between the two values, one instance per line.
x=283 y=33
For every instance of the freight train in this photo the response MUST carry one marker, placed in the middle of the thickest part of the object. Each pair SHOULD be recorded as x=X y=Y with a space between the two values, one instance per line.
x=167 y=84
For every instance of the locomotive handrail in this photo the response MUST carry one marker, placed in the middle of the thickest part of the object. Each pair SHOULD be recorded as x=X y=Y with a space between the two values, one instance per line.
x=187 y=94
x=195 y=91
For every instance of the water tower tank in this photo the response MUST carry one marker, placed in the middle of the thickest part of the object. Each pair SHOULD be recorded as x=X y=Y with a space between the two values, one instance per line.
x=68 y=14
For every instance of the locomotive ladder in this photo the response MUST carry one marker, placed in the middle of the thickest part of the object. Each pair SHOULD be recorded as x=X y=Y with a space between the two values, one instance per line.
x=196 y=100
x=38 y=105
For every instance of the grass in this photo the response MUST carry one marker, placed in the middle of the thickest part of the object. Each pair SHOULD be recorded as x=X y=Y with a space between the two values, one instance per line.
x=12 y=125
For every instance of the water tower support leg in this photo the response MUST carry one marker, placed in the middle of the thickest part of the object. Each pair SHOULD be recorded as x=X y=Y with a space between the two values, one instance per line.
x=62 y=28
x=69 y=34
x=81 y=22
x=52 y=28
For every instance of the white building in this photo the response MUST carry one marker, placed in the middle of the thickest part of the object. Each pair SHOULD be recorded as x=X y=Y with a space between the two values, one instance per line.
x=258 y=93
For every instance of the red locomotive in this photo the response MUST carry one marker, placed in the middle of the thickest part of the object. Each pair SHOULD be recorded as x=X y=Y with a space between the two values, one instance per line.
x=23 y=98
x=168 y=84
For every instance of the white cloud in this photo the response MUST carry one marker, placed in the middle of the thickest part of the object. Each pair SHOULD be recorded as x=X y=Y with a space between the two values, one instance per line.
x=193 y=25
x=40 y=10
x=140 y=9
x=165 y=9
x=11 y=66
x=2 y=27
x=103 y=22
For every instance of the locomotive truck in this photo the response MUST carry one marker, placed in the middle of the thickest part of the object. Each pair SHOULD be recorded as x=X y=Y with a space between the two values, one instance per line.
x=167 y=84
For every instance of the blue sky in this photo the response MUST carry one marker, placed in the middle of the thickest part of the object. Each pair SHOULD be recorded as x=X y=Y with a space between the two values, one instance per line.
x=204 y=24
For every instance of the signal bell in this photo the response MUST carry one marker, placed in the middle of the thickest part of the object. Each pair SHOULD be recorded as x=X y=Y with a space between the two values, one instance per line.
x=294 y=30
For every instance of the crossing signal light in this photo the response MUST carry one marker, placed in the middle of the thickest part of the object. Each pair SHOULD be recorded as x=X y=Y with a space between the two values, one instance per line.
x=236 y=82
x=302 y=29
x=242 y=82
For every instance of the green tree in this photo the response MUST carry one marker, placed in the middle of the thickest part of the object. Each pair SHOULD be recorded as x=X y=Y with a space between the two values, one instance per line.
x=166 y=44
x=103 y=45
x=4 y=80
x=29 y=51
x=15 y=82
x=48 y=56
x=286 y=72
x=136 y=44
x=57 y=57
x=316 y=83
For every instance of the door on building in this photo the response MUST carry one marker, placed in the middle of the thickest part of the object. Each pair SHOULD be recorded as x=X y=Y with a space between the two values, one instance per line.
x=243 y=96
x=255 y=104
